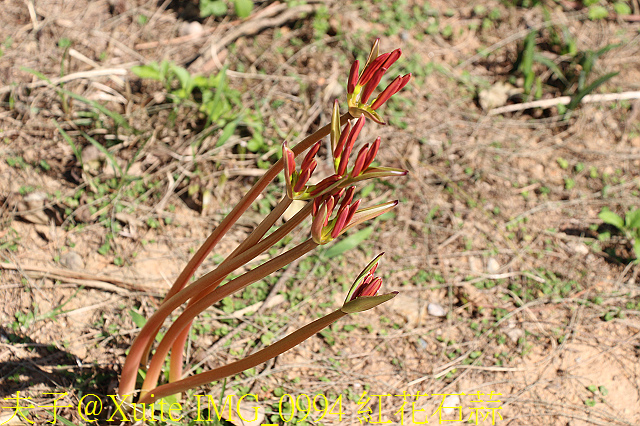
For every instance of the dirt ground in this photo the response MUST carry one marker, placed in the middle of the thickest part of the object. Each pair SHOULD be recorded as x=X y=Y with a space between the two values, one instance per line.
x=517 y=304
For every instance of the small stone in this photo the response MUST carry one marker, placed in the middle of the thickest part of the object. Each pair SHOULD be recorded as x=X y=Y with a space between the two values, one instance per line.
x=72 y=260
x=35 y=200
x=190 y=28
x=91 y=153
x=475 y=264
x=635 y=142
x=436 y=310
x=579 y=248
x=496 y=96
x=515 y=334
x=450 y=404
x=493 y=266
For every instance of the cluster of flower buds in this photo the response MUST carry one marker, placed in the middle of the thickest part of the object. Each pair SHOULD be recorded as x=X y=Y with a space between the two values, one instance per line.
x=369 y=286
x=360 y=87
x=342 y=142
x=363 y=294
x=296 y=182
x=334 y=210
x=324 y=229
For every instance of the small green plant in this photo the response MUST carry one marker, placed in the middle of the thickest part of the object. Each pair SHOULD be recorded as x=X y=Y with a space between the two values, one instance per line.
x=570 y=75
x=242 y=8
x=629 y=226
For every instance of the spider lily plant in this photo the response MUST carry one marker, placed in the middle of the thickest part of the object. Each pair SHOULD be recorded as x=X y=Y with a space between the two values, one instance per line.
x=333 y=208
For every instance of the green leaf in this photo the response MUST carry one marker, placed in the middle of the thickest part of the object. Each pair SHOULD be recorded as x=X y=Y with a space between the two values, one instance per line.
x=597 y=12
x=67 y=138
x=622 y=8
x=60 y=418
x=611 y=218
x=577 y=98
x=227 y=132
x=636 y=247
x=551 y=65
x=183 y=76
x=137 y=318
x=243 y=8
x=632 y=219
x=216 y=8
x=147 y=71
x=364 y=303
x=350 y=242
x=119 y=119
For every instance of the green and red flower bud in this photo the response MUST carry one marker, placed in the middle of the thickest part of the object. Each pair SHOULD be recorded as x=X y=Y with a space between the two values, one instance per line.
x=360 y=90
x=377 y=172
x=393 y=88
x=353 y=77
x=343 y=150
x=296 y=182
x=325 y=185
x=364 y=290
x=348 y=215
x=371 y=85
x=365 y=158
x=368 y=288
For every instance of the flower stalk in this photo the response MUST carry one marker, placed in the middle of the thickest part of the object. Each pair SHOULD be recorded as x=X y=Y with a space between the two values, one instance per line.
x=334 y=209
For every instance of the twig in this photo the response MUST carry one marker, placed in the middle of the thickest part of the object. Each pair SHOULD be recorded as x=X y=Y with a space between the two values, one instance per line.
x=103 y=282
x=565 y=100
x=107 y=72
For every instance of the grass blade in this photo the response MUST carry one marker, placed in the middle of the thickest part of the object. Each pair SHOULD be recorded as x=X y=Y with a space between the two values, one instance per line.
x=114 y=164
x=348 y=243
x=577 y=98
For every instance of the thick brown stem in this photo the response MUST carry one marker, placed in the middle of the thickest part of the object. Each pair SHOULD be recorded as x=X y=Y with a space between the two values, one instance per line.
x=175 y=369
x=237 y=367
x=218 y=294
x=205 y=283
x=129 y=372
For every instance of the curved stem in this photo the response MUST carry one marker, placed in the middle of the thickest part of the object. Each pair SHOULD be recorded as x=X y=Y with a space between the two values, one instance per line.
x=153 y=372
x=208 y=281
x=237 y=367
x=177 y=350
x=242 y=206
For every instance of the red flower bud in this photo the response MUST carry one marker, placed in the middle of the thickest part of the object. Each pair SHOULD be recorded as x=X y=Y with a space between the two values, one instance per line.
x=371 y=85
x=393 y=56
x=372 y=154
x=309 y=157
x=342 y=140
x=353 y=135
x=353 y=77
x=368 y=73
x=302 y=180
x=360 y=159
x=324 y=184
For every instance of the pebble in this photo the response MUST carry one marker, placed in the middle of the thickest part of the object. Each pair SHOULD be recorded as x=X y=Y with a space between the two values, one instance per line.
x=493 y=266
x=190 y=28
x=578 y=247
x=515 y=334
x=450 y=404
x=475 y=264
x=72 y=260
x=436 y=310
